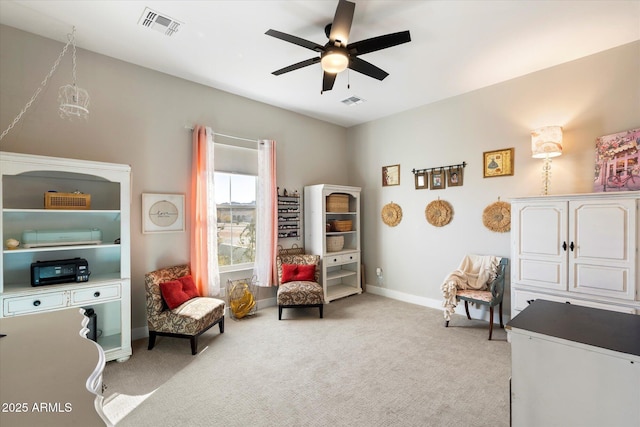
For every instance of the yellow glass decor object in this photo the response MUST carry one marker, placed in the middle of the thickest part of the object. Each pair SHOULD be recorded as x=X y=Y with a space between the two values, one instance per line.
x=241 y=301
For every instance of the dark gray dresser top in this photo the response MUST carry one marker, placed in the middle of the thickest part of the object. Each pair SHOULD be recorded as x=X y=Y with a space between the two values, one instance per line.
x=599 y=328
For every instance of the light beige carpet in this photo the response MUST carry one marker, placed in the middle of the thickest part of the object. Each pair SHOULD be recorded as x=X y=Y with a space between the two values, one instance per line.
x=372 y=361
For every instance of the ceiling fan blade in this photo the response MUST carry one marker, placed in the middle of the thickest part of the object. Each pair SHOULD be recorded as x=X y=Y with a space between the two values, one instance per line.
x=366 y=68
x=299 y=65
x=328 y=79
x=378 y=43
x=295 y=40
x=341 y=26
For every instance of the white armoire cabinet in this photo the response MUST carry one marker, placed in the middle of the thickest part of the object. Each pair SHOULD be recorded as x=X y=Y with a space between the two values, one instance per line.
x=581 y=249
x=24 y=181
x=340 y=274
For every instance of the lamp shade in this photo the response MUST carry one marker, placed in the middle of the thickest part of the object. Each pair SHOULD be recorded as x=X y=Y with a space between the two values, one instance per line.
x=334 y=60
x=546 y=142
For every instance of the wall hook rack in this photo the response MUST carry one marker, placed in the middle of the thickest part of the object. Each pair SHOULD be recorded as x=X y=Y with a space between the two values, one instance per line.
x=416 y=171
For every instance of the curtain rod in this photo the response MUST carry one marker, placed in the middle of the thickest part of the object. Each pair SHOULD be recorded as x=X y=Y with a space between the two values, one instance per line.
x=228 y=136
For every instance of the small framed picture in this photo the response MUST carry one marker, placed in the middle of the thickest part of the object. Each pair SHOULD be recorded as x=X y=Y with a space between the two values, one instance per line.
x=162 y=213
x=454 y=176
x=498 y=163
x=422 y=180
x=438 y=179
x=390 y=175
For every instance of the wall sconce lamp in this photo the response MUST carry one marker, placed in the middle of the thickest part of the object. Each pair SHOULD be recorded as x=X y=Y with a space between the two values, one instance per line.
x=546 y=142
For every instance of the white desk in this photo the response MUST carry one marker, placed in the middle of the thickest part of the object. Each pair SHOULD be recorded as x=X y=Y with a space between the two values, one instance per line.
x=574 y=366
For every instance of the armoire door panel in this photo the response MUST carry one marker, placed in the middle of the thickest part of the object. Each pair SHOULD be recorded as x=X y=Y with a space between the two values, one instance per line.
x=602 y=280
x=542 y=273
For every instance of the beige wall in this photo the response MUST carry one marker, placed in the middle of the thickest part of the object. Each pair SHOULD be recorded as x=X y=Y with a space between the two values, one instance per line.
x=590 y=97
x=137 y=117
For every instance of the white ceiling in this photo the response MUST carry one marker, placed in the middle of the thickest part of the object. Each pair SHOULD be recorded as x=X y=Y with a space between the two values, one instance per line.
x=456 y=47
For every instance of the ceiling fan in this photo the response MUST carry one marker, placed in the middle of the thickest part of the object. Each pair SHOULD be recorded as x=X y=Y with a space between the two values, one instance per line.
x=338 y=54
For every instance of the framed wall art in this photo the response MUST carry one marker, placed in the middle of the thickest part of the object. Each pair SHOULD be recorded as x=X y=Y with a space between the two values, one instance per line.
x=498 y=163
x=390 y=175
x=617 y=165
x=162 y=213
x=454 y=176
x=438 y=179
x=422 y=180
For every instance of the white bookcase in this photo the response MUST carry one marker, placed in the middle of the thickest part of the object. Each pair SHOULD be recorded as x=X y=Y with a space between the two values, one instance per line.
x=579 y=249
x=340 y=274
x=24 y=180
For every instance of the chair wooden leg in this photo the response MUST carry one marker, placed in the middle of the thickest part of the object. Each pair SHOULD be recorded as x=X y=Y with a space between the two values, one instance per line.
x=321 y=307
x=194 y=345
x=490 y=322
x=501 y=325
x=279 y=312
x=152 y=340
x=466 y=308
x=446 y=323
x=221 y=325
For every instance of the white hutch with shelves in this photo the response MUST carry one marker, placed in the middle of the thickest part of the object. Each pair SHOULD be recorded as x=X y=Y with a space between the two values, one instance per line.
x=340 y=274
x=25 y=180
x=579 y=249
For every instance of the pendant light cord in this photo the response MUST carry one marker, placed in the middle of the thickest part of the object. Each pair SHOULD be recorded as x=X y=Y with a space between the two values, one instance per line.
x=71 y=38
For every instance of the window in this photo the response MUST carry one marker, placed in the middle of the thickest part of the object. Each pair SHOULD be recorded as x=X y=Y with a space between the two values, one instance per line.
x=236 y=211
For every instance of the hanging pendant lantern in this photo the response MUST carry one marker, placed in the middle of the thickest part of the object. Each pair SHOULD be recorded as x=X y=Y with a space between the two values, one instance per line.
x=74 y=101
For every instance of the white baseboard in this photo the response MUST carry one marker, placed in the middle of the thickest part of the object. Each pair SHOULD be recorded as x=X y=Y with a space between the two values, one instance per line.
x=139 y=333
x=476 y=313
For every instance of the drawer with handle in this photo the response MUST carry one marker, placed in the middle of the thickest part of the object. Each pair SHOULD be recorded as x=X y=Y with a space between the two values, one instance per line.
x=341 y=259
x=96 y=294
x=34 y=303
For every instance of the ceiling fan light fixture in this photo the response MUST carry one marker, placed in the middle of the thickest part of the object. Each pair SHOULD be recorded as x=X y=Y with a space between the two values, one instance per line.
x=334 y=60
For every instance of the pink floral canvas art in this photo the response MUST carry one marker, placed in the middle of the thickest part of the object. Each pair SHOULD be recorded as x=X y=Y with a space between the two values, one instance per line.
x=617 y=167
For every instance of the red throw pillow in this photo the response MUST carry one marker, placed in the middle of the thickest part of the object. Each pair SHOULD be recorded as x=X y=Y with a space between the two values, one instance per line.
x=177 y=292
x=295 y=272
x=189 y=286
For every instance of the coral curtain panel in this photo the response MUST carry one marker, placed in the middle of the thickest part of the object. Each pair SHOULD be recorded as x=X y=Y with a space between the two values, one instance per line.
x=266 y=222
x=204 y=244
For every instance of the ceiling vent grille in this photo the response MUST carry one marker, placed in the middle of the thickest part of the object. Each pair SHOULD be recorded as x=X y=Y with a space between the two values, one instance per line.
x=161 y=23
x=352 y=100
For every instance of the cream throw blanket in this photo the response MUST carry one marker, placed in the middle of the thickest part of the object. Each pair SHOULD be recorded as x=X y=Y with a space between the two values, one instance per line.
x=474 y=272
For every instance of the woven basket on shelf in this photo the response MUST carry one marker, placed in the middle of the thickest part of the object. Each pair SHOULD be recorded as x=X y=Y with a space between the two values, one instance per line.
x=335 y=243
x=54 y=200
x=341 y=225
x=338 y=203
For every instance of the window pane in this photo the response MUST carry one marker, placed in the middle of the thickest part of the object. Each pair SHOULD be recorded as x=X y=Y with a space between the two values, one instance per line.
x=236 y=209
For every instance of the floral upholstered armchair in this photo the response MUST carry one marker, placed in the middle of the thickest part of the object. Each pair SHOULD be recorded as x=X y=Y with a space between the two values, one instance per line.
x=175 y=309
x=298 y=277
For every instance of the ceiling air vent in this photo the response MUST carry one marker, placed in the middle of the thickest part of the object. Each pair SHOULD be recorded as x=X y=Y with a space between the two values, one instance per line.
x=352 y=100
x=162 y=23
